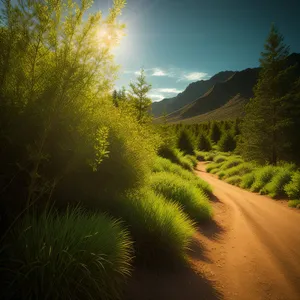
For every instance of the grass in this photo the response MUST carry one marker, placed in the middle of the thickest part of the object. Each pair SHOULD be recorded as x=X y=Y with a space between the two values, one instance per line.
x=262 y=177
x=162 y=232
x=275 y=188
x=72 y=256
x=193 y=200
x=292 y=189
x=247 y=181
x=220 y=158
x=240 y=170
x=294 y=203
x=164 y=165
x=234 y=180
x=231 y=162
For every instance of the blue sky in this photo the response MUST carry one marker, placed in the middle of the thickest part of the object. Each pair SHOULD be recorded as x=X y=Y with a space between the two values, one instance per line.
x=181 y=41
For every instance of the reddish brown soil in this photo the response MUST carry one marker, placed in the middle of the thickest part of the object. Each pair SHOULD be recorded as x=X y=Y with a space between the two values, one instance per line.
x=250 y=251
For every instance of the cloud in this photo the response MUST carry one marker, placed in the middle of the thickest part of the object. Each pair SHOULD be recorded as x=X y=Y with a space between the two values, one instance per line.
x=193 y=76
x=159 y=72
x=156 y=97
x=169 y=90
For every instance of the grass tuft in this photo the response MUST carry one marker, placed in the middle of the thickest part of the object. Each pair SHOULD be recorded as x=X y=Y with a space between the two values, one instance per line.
x=292 y=189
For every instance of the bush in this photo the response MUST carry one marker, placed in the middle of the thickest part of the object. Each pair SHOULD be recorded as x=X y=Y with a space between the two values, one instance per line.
x=263 y=176
x=192 y=159
x=240 y=170
x=234 y=180
x=294 y=203
x=215 y=132
x=164 y=165
x=185 y=142
x=221 y=174
x=292 y=189
x=71 y=256
x=275 y=188
x=213 y=167
x=183 y=161
x=204 y=143
x=162 y=232
x=220 y=158
x=247 y=180
x=231 y=162
x=193 y=200
x=227 y=143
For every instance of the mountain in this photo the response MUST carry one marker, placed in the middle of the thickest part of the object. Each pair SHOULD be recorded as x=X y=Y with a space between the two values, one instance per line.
x=191 y=93
x=225 y=99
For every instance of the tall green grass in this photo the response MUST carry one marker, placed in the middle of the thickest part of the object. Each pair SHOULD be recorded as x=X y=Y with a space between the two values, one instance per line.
x=193 y=200
x=262 y=177
x=247 y=180
x=275 y=188
x=164 y=165
x=292 y=189
x=162 y=232
x=71 y=256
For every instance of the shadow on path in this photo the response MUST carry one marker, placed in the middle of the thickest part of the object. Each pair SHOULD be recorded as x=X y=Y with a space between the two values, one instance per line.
x=212 y=230
x=183 y=284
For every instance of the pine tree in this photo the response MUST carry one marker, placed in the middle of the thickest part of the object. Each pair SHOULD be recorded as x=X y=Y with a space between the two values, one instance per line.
x=267 y=121
x=215 y=132
x=138 y=95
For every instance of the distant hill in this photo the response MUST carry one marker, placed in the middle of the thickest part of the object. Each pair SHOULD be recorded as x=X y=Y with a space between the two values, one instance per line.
x=225 y=99
x=191 y=93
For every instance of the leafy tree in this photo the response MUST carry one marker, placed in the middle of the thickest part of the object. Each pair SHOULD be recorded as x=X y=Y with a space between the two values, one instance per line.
x=138 y=94
x=119 y=96
x=215 y=132
x=265 y=132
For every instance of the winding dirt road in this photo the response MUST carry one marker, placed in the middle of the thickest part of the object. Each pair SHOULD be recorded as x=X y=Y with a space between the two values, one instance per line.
x=250 y=251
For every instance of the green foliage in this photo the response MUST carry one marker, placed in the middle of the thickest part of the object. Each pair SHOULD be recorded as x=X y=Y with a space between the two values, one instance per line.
x=215 y=132
x=192 y=159
x=234 y=180
x=185 y=142
x=193 y=200
x=161 y=231
x=294 y=203
x=231 y=162
x=164 y=165
x=262 y=177
x=71 y=256
x=204 y=143
x=275 y=188
x=240 y=170
x=227 y=142
x=138 y=95
x=292 y=189
x=247 y=181
x=220 y=158
x=268 y=132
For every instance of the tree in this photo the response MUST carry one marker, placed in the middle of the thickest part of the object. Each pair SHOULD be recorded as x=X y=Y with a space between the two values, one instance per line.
x=138 y=95
x=215 y=132
x=118 y=96
x=204 y=142
x=266 y=126
x=227 y=142
x=185 y=142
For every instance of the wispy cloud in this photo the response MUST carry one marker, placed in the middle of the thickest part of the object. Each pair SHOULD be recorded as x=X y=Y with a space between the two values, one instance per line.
x=156 y=97
x=168 y=90
x=193 y=76
x=159 y=72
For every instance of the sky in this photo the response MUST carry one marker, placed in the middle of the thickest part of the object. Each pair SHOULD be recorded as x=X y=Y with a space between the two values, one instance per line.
x=181 y=41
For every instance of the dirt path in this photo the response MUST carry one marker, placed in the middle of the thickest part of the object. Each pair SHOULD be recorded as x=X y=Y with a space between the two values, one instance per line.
x=250 y=251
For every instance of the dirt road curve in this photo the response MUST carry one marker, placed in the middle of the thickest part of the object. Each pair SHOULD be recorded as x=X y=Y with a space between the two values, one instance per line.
x=250 y=251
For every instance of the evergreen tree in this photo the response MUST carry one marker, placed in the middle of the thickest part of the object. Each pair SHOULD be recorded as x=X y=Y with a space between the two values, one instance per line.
x=227 y=142
x=215 y=132
x=185 y=142
x=138 y=95
x=267 y=123
x=204 y=142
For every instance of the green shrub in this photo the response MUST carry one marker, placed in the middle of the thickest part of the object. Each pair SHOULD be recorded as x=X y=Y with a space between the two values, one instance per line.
x=200 y=155
x=292 y=189
x=213 y=167
x=192 y=199
x=192 y=159
x=184 y=161
x=247 y=180
x=227 y=143
x=275 y=188
x=162 y=232
x=164 y=165
x=234 y=180
x=220 y=174
x=185 y=142
x=262 y=177
x=72 y=256
x=204 y=143
x=220 y=158
x=240 y=170
x=294 y=203
x=231 y=162
x=215 y=132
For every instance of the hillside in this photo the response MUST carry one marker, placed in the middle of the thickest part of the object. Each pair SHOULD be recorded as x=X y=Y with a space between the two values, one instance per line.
x=225 y=99
x=191 y=93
